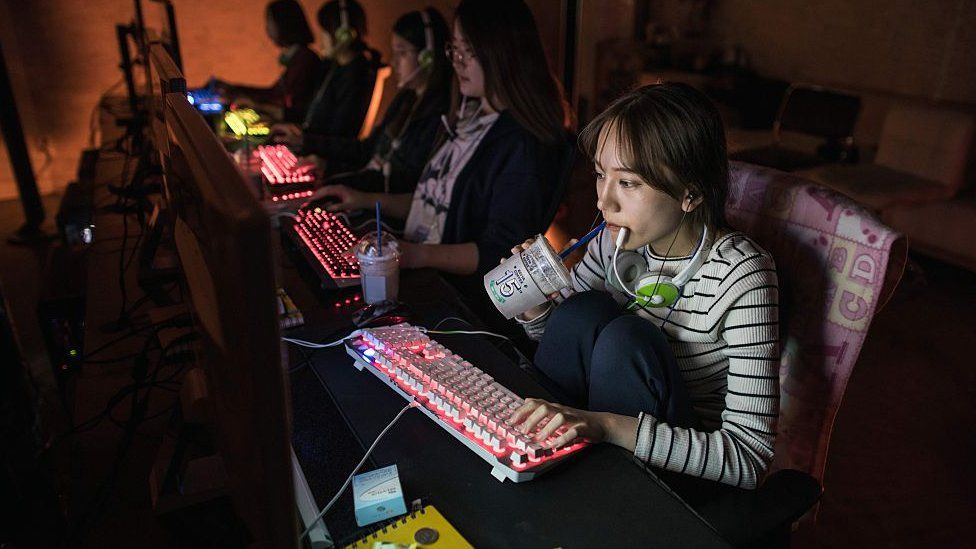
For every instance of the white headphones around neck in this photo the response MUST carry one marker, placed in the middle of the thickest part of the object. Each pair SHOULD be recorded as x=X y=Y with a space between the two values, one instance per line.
x=630 y=273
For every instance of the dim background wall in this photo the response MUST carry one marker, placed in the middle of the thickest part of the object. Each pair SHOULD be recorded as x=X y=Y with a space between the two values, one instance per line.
x=599 y=21
x=62 y=56
x=906 y=47
x=915 y=51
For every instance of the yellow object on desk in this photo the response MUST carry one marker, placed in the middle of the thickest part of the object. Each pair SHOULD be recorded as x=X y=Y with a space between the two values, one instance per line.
x=246 y=122
x=420 y=529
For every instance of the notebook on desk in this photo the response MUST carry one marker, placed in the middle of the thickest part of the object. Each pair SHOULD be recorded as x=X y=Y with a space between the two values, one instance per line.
x=423 y=528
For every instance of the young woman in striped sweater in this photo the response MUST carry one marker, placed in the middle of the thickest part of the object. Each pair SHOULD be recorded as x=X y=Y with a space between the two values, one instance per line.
x=667 y=344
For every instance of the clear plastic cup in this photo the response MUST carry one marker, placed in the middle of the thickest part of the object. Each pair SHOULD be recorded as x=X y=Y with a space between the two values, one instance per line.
x=379 y=269
x=526 y=279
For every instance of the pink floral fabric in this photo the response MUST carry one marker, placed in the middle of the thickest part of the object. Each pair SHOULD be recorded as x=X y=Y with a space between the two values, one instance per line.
x=837 y=264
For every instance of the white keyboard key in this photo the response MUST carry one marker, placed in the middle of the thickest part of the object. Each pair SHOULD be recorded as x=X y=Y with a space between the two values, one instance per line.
x=534 y=450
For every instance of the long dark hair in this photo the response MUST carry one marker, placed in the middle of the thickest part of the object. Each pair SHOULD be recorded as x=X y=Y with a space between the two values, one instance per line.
x=410 y=27
x=289 y=17
x=504 y=36
x=672 y=136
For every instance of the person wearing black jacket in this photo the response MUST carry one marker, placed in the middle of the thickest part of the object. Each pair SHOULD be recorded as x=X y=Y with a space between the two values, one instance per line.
x=495 y=177
x=339 y=105
x=392 y=157
x=292 y=93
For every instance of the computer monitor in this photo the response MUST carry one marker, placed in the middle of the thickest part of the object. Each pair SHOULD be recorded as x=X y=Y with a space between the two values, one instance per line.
x=165 y=75
x=164 y=78
x=157 y=267
x=224 y=242
x=160 y=17
x=156 y=25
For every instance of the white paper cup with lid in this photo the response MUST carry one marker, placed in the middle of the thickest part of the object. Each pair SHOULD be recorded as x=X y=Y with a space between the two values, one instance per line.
x=526 y=279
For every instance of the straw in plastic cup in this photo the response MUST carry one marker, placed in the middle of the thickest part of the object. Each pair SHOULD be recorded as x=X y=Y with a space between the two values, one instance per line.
x=379 y=268
x=526 y=279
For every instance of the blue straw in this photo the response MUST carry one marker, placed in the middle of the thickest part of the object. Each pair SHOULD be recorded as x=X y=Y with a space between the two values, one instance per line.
x=379 y=233
x=582 y=242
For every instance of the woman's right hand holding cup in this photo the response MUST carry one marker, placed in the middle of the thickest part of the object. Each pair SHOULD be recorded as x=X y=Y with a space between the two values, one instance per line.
x=538 y=310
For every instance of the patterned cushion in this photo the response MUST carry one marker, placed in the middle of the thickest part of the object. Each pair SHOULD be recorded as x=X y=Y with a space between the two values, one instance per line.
x=837 y=264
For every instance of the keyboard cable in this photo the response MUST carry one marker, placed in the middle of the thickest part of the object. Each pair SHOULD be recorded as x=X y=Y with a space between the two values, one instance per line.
x=468 y=332
x=313 y=345
x=412 y=404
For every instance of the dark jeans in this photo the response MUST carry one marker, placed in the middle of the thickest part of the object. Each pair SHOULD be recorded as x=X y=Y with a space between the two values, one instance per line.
x=600 y=358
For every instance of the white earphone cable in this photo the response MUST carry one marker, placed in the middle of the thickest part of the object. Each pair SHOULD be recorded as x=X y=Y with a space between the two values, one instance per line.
x=616 y=251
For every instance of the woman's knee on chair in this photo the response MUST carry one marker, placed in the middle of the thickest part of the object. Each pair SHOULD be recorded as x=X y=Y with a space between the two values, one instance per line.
x=633 y=365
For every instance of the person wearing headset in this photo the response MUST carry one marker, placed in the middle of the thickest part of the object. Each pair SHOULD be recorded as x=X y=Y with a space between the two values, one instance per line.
x=667 y=343
x=289 y=97
x=341 y=101
x=493 y=177
x=392 y=157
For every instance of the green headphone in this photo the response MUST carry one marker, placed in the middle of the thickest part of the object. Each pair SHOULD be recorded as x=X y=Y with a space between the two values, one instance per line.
x=652 y=288
x=426 y=56
x=345 y=34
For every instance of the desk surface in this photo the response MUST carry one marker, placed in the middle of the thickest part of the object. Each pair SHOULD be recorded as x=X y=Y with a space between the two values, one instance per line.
x=600 y=498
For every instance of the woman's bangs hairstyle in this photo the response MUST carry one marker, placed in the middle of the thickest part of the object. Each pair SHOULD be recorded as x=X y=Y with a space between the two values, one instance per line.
x=289 y=17
x=672 y=136
x=503 y=34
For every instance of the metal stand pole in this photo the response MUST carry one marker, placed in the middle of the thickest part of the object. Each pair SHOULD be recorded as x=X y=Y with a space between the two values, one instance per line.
x=13 y=135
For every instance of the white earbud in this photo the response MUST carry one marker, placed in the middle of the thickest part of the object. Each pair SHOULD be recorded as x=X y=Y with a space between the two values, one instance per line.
x=622 y=236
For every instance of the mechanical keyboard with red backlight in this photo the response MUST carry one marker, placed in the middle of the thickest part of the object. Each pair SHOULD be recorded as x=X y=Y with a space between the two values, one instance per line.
x=465 y=401
x=326 y=241
x=284 y=176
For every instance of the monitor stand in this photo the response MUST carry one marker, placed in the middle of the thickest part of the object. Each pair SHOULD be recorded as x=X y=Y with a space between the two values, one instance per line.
x=318 y=536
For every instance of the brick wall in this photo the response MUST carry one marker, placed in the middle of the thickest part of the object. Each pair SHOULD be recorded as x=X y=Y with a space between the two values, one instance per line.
x=63 y=55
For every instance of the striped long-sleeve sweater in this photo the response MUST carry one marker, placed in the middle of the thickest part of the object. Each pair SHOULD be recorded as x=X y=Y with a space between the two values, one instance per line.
x=725 y=335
